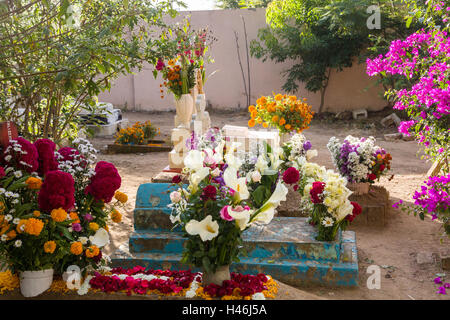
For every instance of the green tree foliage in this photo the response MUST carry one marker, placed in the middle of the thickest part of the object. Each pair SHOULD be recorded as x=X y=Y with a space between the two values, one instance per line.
x=323 y=35
x=58 y=55
x=242 y=4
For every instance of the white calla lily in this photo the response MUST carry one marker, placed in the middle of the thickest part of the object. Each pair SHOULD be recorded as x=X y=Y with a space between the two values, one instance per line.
x=207 y=229
x=100 y=238
x=261 y=164
x=265 y=214
x=194 y=160
x=279 y=194
x=242 y=218
x=239 y=185
x=196 y=177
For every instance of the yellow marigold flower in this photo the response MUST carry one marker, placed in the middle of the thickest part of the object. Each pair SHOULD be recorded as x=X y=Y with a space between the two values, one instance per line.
x=251 y=123
x=36 y=213
x=93 y=226
x=76 y=248
x=74 y=216
x=278 y=97
x=21 y=225
x=120 y=196
x=34 y=226
x=34 y=183
x=50 y=246
x=116 y=216
x=11 y=235
x=59 y=215
x=92 y=251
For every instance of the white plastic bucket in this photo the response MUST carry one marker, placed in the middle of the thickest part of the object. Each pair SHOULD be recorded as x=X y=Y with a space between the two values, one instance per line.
x=33 y=283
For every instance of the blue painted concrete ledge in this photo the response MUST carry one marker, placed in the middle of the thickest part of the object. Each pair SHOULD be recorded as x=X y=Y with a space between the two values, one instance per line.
x=286 y=249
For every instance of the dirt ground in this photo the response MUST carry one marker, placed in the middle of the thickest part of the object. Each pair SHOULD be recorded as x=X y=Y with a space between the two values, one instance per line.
x=393 y=247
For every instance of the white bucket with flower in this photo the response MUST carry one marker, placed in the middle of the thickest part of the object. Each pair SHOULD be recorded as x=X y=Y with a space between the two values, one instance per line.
x=33 y=283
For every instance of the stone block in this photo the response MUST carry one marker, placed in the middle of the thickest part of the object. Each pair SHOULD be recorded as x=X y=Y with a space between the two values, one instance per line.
x=359 y=114
x=391 y=119
x=393 y=136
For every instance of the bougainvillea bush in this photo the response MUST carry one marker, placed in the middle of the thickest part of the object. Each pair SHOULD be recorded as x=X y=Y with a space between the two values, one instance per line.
x=53 y=210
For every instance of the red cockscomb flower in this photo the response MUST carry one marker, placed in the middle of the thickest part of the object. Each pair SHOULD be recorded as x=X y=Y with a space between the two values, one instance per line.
x=2 y=172
x=57 y=191
x=316 y=191
x=291 y=175
x=28 y=160
x=209 y=192
x=68 y=153
x=105 y=182
x=47 y=160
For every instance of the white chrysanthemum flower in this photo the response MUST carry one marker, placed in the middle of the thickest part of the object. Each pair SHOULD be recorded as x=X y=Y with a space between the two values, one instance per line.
x=9 y=217
x=328 y=222
x=18 y=243
x=16 y=220
x=4 y=237
x=258 y=296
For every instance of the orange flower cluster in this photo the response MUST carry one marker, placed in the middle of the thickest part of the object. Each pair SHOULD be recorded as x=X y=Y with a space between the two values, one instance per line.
x=172 y=78
x=287 y=113
x=34 y=226
x=59 y=215
x=116 y=216
x=50 y=246
x=139 y=133
x=34 y=183
x=76 y=248
x=92 y=251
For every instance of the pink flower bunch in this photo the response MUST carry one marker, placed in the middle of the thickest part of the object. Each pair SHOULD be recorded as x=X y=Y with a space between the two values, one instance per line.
x=57 y=191
x=105 y=182
x=47 y=160
x=248 y=285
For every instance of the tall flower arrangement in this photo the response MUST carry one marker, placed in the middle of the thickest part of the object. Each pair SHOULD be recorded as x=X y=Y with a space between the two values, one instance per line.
x=218 y=205
x=189 y=55
x=286 y=113
x=359 y=159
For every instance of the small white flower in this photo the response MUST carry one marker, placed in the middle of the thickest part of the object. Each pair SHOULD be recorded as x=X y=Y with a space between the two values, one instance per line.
x=256 y=176
x=83 y=240
x=15 y=201
x=8 y=194
x=16 y=220
x=4 y=237
x=12 y=210
x=18 y=243
x=8 y=158
x=2 y=190
x=70 y=229
x=15 y=195
x=258 y=296
x=175 y=196
x=328 y=222
x=17 y=149
x=9 y=217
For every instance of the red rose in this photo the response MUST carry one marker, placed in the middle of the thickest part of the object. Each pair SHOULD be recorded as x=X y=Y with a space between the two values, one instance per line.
x=57 y=191
x=316 y=191
x=209 y=192
x=176 y=179
x=46 y=151
x=105 y=182
x=356 y=208
x=372 y=177
x=382 y=167
x=291 y=175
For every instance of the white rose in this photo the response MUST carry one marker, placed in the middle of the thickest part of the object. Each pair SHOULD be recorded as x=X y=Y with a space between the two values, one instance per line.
x=175 y=196
x=256 y=176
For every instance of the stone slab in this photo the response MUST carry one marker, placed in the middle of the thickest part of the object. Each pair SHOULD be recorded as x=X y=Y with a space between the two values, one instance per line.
x=375 y=206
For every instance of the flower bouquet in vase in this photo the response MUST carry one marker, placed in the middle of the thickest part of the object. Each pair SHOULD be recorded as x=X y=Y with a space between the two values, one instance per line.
x=221 y=201
x=325 y=196
x=360 y=161
x=286 y=113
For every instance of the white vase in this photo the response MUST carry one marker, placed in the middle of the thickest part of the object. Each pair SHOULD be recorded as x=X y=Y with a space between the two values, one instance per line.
x=200 y=105
x=184 y=107
x=359 y=188
x=33 y=283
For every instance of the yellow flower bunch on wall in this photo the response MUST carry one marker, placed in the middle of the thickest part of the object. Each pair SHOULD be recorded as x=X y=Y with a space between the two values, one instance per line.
x=139 y=133
x=287 y=113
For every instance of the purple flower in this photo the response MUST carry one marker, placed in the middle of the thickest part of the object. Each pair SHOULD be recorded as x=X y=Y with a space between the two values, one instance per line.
x=76 y=227
x=88 y=217
x=307 y=145
x=437 y=280
x=447 y=285
x=396 y=205
x=441 y=290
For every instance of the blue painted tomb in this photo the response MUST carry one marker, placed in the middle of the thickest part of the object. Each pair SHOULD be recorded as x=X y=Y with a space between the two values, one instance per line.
x=286 y=248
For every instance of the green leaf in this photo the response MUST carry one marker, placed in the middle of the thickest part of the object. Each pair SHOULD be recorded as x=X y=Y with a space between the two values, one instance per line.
x=206 y=264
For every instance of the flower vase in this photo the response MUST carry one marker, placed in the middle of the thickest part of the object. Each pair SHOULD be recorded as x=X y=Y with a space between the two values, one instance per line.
x=222 y=273
x=185 y=107
x=33 y=283
x=359 y=188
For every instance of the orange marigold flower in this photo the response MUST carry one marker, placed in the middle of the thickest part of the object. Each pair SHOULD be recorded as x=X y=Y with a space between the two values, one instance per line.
x=116 y=216
x=76 y=248
x=254 y=114
x=11 y=235
x=21 y=225
x=36 y=213
x=251 y=108
x=74 y=216
x=92 y=251
x=251 y=123
x=120 y=196
x=265 y=124
x=93 y=226
x=50 y=246
x=34 y=183
x=2 y=206
x=278 y=97
x=288 y=127
x=34 y=226
x=275 y=119
x=282 y=121
x=59 y=215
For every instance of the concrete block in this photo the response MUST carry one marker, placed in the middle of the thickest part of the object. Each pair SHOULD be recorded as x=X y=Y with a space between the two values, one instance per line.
x=391 y=119
x=358 y=114
x=393 y=136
